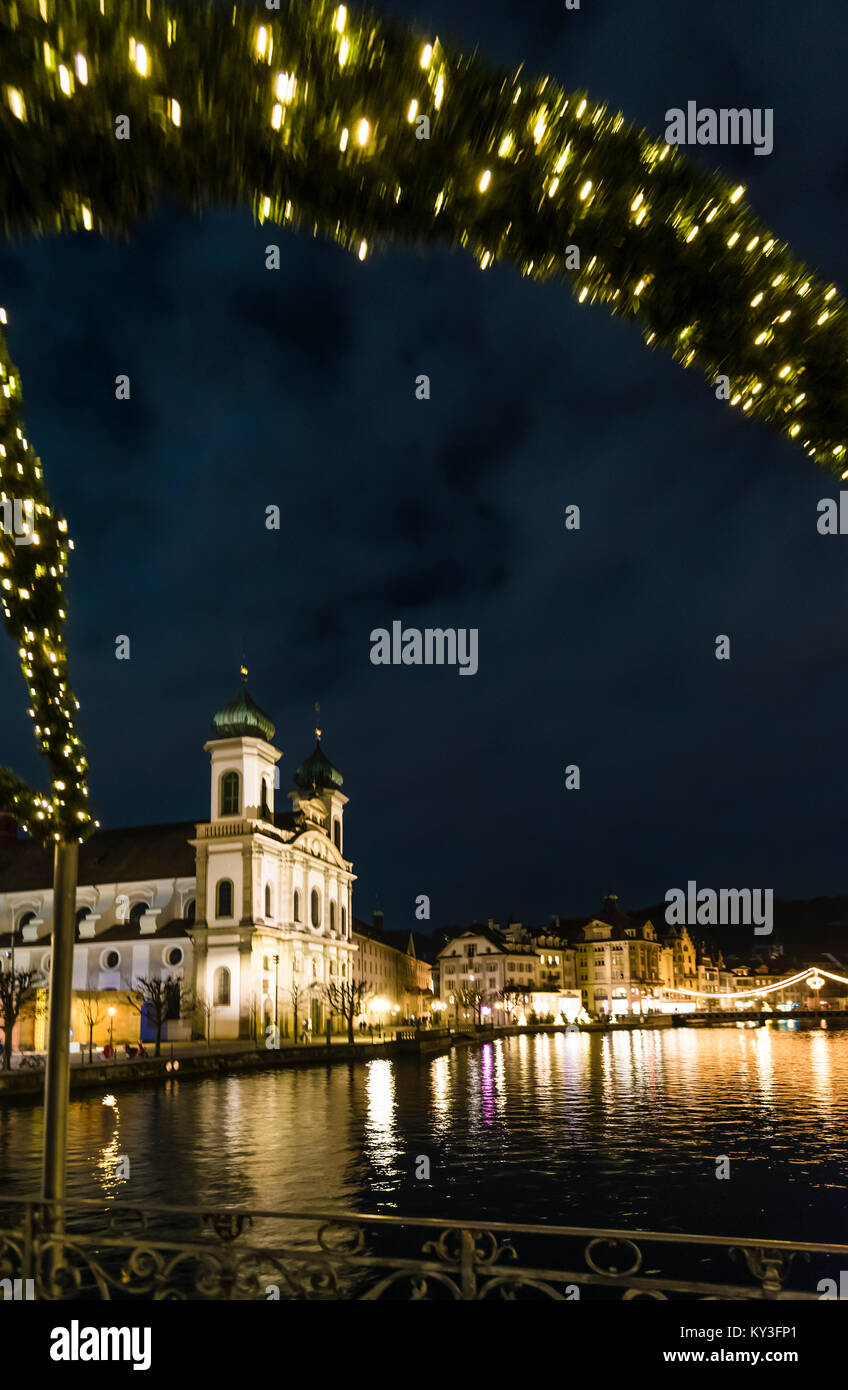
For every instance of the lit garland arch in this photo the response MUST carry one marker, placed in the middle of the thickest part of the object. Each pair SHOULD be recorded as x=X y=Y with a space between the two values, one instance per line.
x=310 y=115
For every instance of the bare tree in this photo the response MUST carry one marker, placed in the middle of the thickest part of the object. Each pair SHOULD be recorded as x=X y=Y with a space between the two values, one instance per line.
x=470 y=998
x=346 y=997
x=159 y=999
x=296 y=995
x=17 y=989
x=510 y=996
x=93 y=1010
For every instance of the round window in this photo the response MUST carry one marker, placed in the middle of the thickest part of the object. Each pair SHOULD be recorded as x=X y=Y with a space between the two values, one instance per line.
x=174 y=955
x=111 y=960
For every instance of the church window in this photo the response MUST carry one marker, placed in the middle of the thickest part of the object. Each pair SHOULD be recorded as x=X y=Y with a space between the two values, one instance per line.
x=267 y=900
x=25 y=919
x=190 y=910
x=344 y=921
x=332 y=916
x=225 y=898
x=174 y=955
x=337 y=833
x=110 y=960
x=296 y=905
x=266 y=800
x=316 y=907
x=221 y=985
x=230 y=794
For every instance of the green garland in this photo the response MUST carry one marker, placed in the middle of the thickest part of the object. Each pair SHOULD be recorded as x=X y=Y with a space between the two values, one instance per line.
x=311 y=115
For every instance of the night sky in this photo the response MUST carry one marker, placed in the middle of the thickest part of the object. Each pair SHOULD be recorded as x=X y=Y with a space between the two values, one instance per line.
x=296 y=388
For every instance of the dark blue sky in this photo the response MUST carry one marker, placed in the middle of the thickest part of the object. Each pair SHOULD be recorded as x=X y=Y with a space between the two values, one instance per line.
x=297 y=388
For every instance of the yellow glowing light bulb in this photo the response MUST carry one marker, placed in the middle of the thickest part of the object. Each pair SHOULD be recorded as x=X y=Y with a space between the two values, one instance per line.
x=277 y=116
x=822 y=318
x=363 y=250
x=637 y=202
x=582 y=295
x=756 y=300
x=142 y=65
x=761 y=338
x=784 y=371
x=794 y=430
x=539 y=127
x=737 y=194
x=784 y=316
x=341 y=18
x=581 y=108
x=261 y=41
x=16 y=103
x=639 y=287
x=176 y=113
x=586 y=190
x=412 y=112
x=829 y=295
x=804 y=288
x=266 y=207
x=733 y=240
x=505 y=146
x=554 y=185
x=426 y=55
x=64 y=79
x=82 y=69
x=484 y=180
x=86 y=218
x=344 y=49
x=343 y=140
x=752 y=244
x=363 y=132
x=692 y=234
x=439 y=92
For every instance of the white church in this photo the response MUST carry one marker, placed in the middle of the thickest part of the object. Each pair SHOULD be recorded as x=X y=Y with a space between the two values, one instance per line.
x=250 y=910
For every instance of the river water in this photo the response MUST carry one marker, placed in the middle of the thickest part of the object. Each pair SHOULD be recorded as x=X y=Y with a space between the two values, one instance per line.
x=620 y=1129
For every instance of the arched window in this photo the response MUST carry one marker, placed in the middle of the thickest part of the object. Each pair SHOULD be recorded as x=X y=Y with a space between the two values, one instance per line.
x=25 y=919
x=190 y=911
x=337 y=833
x=316 y=907
x=221 y=985
x=296 y=908
x=82 y=913
x=332 y=916
x=267 y=900
x=266 y=799
x=344 y=921
x=137 y=911
x=224 y=898
x=230 y=794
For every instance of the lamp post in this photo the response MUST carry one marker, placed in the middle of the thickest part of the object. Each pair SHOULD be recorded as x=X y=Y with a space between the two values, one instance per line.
x=276 y=960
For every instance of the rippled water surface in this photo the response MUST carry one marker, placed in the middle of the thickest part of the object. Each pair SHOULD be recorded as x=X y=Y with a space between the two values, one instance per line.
x=592 y=1129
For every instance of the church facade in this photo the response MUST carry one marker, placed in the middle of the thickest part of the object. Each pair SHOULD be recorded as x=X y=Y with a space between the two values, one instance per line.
x=249 y=910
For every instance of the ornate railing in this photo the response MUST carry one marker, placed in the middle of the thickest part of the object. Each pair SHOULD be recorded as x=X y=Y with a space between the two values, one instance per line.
x=100 y=1249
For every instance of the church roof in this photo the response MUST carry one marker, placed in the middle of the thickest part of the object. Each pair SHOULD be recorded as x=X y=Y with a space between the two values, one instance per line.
x=242 y=718
x=125 y=855
x=317 y=772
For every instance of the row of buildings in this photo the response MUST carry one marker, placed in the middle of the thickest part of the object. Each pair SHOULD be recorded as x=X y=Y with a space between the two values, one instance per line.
x=248 y=915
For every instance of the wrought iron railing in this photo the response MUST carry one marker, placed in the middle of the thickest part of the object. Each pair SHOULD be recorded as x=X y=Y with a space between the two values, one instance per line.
x=99 y=1249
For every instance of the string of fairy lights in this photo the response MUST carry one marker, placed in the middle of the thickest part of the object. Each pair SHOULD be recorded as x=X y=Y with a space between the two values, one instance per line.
x=34 y=546
x=329 y=120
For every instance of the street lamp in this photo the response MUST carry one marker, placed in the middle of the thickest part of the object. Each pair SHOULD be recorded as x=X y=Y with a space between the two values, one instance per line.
x=276 y=960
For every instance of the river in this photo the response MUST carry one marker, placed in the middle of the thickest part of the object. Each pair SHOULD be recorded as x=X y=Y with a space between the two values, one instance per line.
x=620 y=1129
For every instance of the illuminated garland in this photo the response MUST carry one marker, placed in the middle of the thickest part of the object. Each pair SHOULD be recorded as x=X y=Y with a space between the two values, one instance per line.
x=311 y=116
x=34 y=545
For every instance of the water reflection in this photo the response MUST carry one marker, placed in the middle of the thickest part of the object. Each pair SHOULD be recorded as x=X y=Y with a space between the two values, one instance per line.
x=595 y=1129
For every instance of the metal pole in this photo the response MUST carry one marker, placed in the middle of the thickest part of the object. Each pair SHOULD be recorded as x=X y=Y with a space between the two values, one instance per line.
x=58 y=1069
